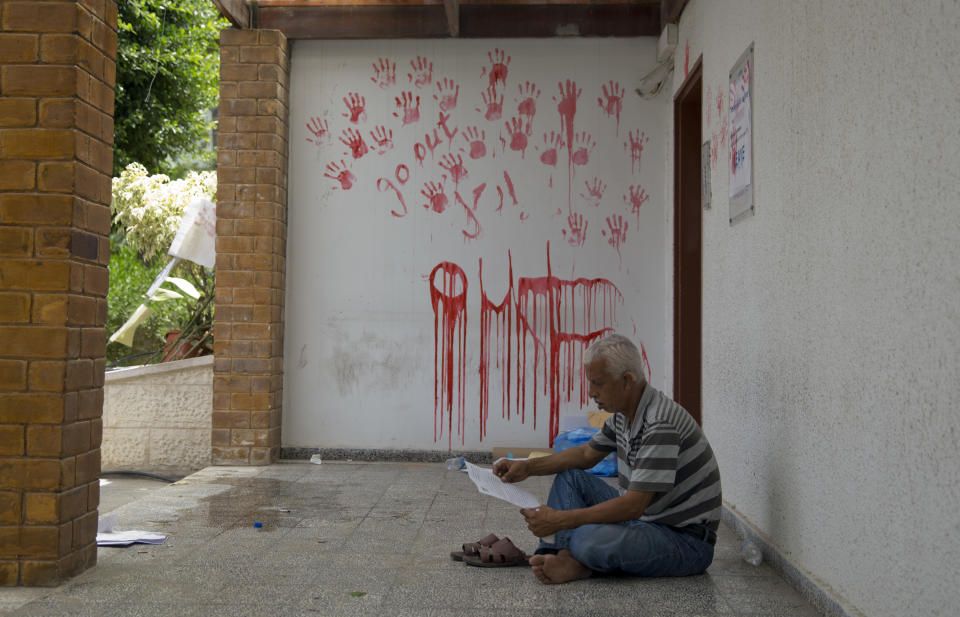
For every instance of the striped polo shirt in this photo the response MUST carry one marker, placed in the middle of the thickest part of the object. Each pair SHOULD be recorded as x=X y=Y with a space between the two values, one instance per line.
x=664 y=452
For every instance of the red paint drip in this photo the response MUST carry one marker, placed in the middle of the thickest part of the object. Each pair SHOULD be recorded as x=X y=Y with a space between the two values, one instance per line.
x=559 y=319
x=448 y=296
x=502 y=315
x=568 y=110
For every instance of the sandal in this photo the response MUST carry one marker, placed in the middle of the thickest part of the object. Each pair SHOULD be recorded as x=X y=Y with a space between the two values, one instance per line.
x=501 y=554
x=472 y=549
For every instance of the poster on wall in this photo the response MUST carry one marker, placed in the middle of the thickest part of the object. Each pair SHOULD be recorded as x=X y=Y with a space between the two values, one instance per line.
x=740 y=100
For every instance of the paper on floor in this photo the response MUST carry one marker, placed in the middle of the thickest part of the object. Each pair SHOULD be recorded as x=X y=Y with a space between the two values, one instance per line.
x=106 y=536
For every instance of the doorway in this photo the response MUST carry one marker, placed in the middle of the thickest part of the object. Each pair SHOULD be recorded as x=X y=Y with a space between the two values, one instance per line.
x=687 y=247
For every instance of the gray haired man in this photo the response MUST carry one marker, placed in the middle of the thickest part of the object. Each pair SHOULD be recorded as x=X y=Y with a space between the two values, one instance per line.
x=663 y=519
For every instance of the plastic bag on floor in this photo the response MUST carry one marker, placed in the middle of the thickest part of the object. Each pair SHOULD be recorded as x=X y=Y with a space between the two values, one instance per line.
x=579 y=436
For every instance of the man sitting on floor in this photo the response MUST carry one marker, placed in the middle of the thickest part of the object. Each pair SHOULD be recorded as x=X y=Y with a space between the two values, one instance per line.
x=663 y=521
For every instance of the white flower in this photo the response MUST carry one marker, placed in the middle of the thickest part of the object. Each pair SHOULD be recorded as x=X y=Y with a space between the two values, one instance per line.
x=150 y=207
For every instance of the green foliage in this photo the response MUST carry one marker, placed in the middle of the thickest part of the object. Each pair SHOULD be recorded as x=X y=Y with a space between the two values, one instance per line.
x=167 y=79
x=147 y=211
x=129 y=280
x=148 y=208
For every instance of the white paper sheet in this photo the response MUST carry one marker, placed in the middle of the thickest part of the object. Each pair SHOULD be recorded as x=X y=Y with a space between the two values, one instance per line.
x=106 y=536
x=489 y=484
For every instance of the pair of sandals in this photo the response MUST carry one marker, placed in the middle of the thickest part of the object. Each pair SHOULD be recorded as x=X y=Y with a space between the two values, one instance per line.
x=491 y=552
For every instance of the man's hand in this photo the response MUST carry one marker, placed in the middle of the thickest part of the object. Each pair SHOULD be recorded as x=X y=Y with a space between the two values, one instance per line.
x=510 y=470
x=543 y=520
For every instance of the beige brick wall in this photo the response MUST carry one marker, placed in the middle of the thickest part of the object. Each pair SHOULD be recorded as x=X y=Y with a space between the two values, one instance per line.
x=56 y=153
x=251 y=247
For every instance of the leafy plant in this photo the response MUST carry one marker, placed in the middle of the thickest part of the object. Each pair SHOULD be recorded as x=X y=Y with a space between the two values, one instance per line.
x=129 y=280
x=147 y=211
x=167 y=81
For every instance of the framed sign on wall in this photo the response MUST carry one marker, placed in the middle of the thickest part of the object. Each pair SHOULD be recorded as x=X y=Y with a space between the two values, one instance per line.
x=740 y=100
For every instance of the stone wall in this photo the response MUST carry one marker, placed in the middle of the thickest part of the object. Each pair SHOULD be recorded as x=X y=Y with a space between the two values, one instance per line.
x=157 y=418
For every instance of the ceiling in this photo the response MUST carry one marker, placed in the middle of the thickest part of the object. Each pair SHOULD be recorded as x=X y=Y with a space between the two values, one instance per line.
x=393 y=19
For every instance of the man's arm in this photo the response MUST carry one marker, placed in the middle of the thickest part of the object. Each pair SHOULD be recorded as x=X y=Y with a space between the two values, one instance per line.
x=544 y=520
x=581 y=457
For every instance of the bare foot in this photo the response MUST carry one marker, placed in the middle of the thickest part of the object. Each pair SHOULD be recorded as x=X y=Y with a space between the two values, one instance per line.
x=559 y=568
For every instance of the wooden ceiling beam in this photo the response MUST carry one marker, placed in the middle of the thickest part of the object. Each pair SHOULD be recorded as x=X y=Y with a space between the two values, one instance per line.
x=549 y=20
x=453 y=18
x=236 y=11
x=356 y=21
x=452 y=9
x=670 y=11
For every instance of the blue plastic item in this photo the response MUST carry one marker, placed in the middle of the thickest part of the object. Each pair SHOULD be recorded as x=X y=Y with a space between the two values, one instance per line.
x=579 y=436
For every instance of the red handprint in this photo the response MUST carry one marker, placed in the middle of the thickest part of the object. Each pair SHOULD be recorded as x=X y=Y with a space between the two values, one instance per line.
x=422 y=72
x=635 y=147
x=594 y=192
x=529 y=93
x=436 y=197
x=611 y=103
x=356 y=107
x=576 y=234
x=583 y=145
x=618 y=232
x=384 y=75
x=408 y=108
x=454 y=166
x=340 y=173
x=498 y=66
x=638 y=196
x=383 y=138
x=321 y=131
x=494 y=105
x=518 y=136
x=354 y=140
x=567 y=106
x=447 y=93
x=553 y=143
x=475 y=139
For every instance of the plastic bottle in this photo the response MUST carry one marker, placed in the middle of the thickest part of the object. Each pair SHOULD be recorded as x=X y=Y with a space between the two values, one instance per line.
x=751 y=553
x=456 y=463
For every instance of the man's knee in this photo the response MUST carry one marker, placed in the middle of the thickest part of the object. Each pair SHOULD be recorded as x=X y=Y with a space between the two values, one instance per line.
x=595 y=546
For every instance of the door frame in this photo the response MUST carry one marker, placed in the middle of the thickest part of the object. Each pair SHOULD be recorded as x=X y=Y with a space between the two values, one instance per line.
x=688 y=242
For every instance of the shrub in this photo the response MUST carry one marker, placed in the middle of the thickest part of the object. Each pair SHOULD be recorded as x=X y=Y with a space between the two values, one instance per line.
x=146 y=214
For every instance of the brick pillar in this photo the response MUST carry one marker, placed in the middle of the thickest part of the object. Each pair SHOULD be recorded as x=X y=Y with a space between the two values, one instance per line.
x=251 y=247
x=56 y=157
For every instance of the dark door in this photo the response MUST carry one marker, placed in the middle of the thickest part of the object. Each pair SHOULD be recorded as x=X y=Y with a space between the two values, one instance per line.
x=687 y=243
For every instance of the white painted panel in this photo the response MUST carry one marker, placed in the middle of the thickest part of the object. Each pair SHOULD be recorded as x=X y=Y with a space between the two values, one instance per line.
x=365 y=364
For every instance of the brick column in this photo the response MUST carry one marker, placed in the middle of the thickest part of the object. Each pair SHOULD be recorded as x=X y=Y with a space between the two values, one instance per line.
x=251 y=247
x=56 y=158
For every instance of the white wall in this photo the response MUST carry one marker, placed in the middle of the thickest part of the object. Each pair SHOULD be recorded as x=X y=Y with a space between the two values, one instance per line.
x=831 y=320
x=157 y=417
x=360 y=364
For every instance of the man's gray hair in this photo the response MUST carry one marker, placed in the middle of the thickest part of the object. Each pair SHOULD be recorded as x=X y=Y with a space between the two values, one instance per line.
x=621 y=355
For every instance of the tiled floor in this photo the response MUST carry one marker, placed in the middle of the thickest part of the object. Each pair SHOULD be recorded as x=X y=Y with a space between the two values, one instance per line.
x=344 y=539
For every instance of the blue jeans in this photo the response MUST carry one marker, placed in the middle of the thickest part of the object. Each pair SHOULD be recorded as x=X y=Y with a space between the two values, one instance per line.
x=632 y=547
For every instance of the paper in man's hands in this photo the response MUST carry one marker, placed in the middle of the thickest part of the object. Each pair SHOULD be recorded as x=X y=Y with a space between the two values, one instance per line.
x=489 y=484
